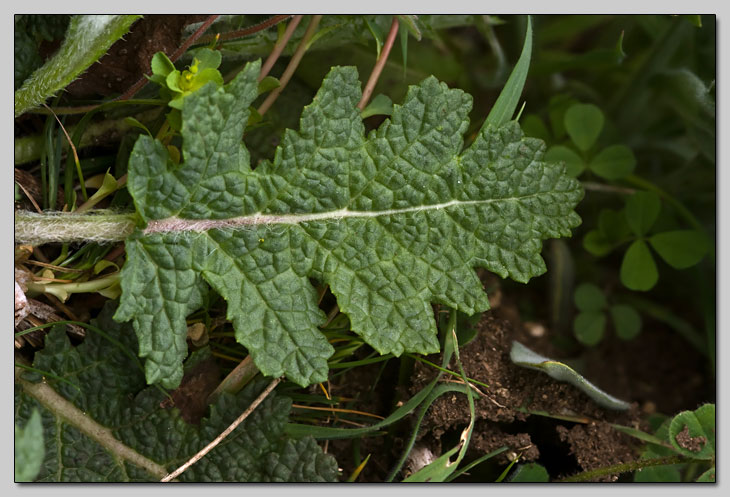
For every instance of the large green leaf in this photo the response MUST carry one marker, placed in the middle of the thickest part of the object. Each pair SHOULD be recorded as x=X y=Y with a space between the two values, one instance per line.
x=101 y=422
x=391 y=223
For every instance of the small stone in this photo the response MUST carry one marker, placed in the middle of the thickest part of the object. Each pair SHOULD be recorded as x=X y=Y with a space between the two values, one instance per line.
x=534 y=329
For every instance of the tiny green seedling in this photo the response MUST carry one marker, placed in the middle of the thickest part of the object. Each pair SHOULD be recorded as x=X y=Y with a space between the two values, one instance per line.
x=590 y=323
x=583 y=124
x=680 y=249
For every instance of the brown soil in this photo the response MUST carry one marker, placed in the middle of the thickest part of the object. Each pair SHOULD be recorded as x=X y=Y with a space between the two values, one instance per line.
x=657 y=371
x=129 y=58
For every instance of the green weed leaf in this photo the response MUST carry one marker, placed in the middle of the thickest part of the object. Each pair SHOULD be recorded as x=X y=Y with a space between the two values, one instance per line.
x=100 y=422
x=573 y=163
x=87 y=39
x=583 y=123
x=588 y=297
x=680 y=249
x=614 y=162
x=391 y=223
x=29 y=448
x=589 y=327
x=530 y=473
x=638 y=269
x=161 y=65
x=613 y=225
x=642 y=210
x=380 y=105
x=596 y=243
x=692 y=433
x=533 y=126
x=626 y=321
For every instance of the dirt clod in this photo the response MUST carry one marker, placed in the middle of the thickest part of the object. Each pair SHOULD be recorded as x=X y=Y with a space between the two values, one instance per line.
x=686 y=441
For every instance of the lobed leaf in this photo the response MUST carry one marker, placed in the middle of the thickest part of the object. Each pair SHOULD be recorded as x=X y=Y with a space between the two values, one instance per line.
x=391 y=222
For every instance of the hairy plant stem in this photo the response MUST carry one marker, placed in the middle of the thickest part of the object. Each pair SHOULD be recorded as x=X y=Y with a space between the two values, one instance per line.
x=293 y=64
x=379 y=64
x=72 y=415
x=225 y=432
x=623 y=468
x=99 y=226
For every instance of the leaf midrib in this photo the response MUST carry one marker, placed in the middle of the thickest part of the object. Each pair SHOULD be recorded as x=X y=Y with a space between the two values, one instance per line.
x=176 y=224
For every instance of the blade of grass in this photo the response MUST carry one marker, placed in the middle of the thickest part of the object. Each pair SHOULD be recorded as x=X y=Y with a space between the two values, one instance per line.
x=504 y=107
x=475 y=463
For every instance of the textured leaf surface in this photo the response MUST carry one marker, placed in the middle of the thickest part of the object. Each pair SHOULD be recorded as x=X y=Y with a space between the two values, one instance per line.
x=391 y=222
x=105 y=385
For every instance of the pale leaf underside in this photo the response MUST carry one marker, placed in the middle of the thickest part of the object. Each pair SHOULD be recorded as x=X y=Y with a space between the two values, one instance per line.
x=392 y=222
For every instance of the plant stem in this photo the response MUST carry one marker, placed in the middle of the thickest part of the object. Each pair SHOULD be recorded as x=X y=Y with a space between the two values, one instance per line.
x=379 y=64
x=247 y=31
x=225 y=433
x=100 y=226
x=236 y=379
x=293 y=64
x=623 y=468
x=601 y=187
x=61 y=290
x=279 y=47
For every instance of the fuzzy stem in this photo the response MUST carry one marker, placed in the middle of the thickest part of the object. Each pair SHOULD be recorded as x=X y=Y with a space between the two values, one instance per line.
x=293 y=64
x=623 y=468
x=375 y=75
x=55 y=227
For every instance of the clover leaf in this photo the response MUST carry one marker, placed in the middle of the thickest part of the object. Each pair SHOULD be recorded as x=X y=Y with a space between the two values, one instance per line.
x=590 y=323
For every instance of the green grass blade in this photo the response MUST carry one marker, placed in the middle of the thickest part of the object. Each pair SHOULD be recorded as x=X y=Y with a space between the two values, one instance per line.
x=504 y=107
